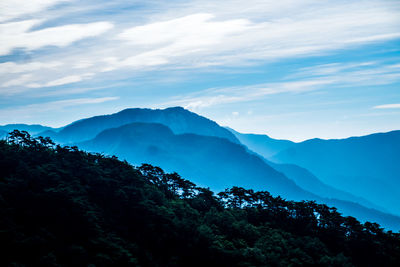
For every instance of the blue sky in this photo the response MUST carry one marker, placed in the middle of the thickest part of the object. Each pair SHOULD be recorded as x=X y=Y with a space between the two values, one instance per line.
x=289 y=69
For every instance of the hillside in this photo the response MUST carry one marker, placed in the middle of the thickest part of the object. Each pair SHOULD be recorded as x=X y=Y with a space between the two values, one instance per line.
x=262 y=144
x=311 y=183
x=368 y=166
x=31 y=128
x=211 y=156
x=177 y=119
x=63 y=207
x=214 y=162
x=208 y=161
x=267 y=147
x=3 y=134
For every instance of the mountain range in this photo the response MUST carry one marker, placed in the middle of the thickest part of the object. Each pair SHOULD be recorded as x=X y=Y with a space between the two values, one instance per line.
x=177 y=119
x=369 y=166
x=212 y=156
x=267 y=147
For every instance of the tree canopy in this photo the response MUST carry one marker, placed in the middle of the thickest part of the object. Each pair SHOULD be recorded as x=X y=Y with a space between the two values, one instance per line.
x=60 y=206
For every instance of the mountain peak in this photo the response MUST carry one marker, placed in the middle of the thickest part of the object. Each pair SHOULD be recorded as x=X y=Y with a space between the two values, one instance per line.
x=178 y=119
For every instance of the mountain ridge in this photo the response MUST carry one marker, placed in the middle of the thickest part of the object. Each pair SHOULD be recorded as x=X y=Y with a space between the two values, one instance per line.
x=266 y=147
x=165 y=149
x=373 y=159
x=178 y=119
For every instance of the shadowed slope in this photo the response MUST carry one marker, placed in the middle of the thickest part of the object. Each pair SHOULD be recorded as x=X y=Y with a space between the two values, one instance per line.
x=267 y=147
x=262 y=144
x=213 y=162
x=31 y=128
x=177 y=119
x=208 y=161
x=368 y=166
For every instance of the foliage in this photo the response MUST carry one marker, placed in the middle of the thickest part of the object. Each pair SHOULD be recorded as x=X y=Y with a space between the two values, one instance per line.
x=63 y=207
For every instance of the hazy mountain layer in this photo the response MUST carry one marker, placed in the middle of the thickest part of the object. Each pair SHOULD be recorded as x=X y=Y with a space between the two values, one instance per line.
x=2 y=134
x=310 y=182
x=31 y=128
x=183 y=153
x=262 y=144
x=267 y=147
x=213 y=162
x=208 y=161
x=177 y=119
x=368 y=166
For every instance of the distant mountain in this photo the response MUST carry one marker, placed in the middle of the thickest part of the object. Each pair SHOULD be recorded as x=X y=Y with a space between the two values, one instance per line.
x=262 y=144
x=212 y=162
x=311 y=183
x=209 y=161
x=31 y=128
x=266 y=147
x=368 y=166
x=179 y=120
x=199 y=149
x=2 y=134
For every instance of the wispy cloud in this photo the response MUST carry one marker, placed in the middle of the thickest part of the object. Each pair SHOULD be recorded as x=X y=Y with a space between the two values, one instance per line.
x=12 y=67
x=32 y=110
x=60 y=104
x=31 y=81
x=227 y=95
x=387 y=106
x=352 y=74
x=18 y=35
x=62 y=81
x=187 y=35
x=308 y=79
x=12 y=9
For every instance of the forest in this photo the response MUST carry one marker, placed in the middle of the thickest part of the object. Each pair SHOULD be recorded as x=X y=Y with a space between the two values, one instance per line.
x=60 y=206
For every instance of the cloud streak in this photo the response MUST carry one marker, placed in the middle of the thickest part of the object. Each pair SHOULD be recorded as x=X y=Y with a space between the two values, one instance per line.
x=387 y=106
x=188 y=36
x=12 y=9
x=18 y=35
x=229 y=95
x=304 y=80
x=28 y=111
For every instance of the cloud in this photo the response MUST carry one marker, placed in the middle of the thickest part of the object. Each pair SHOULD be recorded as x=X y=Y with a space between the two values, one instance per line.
x=38 y=108
x=353 y=74
x=194 y=39
x=387 y=106
x=191 y=36
x=17 y=35
x=30 y=81
x=367 y=73
x=229 y=95
x=12 y=67
x=23 y=79
x=12 y=9
x=62 y=81
x=187 y=34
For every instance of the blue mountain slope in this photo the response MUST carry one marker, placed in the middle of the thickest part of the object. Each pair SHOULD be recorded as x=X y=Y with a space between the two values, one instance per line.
x=209 y=161
x=368 y=166
x=267 y=147
x=31 y=128
x=262 y=144
x=310 y=182
x=177 y=119
x=213 y=162
x=2 y=134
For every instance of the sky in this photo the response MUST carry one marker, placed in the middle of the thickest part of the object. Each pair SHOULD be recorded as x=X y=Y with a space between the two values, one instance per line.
x=289 y=69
